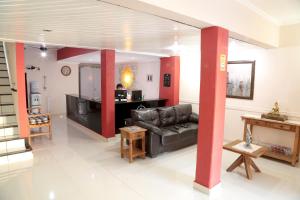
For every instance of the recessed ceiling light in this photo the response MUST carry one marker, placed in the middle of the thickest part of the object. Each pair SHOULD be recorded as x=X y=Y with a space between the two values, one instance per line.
x=43 y=51
x=47 y=30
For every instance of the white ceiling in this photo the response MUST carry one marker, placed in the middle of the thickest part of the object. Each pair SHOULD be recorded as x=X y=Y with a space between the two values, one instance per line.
x=282 y=12
x=90 y=23
x=121 y=57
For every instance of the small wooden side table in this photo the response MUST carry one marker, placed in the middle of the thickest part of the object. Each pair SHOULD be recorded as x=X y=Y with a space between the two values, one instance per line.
x=132 y=134
x=245 y=157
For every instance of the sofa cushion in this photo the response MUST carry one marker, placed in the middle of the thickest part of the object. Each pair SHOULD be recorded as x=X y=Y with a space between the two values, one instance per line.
x=167 y=116
x=150 y=116
x=183 y=112
x=169 y=136
x=185 y=130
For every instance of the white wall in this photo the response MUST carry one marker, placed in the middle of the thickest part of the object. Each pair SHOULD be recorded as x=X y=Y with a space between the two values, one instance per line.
x=53 y=97
x=276 y=79
x=142 y=69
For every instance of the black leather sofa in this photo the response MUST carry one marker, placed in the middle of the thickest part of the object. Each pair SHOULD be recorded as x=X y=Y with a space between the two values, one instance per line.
x=169 y=128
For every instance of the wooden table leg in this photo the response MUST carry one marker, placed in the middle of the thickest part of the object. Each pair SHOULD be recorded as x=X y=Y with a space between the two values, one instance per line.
x=247 y=167
x=245 y=130
x=254 y=166
x=235 y=164
x=122 y=148
x=143 y=147
x=295 y=147
x=50 y=132
x=130 y=151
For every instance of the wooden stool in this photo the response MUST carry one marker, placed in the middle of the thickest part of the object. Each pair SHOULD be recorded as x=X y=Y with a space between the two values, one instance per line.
x=245 y=157
x=132 y=134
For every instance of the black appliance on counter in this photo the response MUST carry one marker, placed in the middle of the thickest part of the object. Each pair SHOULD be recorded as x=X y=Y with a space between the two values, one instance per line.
x=136 y=95
x=121 y=95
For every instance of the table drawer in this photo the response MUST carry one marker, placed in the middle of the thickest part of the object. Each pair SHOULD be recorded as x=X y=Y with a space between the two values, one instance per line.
x=258 y=123
x=282 y=127
x=138 y=135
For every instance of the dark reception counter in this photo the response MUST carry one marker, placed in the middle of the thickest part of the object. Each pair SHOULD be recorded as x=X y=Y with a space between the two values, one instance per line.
x=87 y=112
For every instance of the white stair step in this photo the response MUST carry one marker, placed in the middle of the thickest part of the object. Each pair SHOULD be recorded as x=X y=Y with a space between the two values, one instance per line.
x=3 y=73
x=6 y=98
x=4 y=80
x=1 y=48
x=9 y=132
x=4 y=89
x=9 y=137
x=4 y=109
x=12 y=146
x=3 y=66
x=12 y=164
x=6 y=120
x=2 y=60
x=2 y=54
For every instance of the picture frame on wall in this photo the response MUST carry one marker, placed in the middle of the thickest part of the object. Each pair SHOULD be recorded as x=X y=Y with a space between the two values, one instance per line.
x=240 y=79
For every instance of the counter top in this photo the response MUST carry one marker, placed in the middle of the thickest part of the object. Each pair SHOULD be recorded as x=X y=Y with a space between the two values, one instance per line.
x=117 y=102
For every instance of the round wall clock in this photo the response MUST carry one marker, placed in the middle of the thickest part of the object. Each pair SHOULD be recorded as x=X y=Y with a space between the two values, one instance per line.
x=66 y=70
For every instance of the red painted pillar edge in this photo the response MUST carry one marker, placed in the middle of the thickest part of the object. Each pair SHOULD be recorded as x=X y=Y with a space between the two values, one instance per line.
x=108 y=93
x=21 y=103
x=170 y=65
x=214 y=42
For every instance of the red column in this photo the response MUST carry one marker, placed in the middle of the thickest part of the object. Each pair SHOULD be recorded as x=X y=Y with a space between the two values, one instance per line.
x=108 y=93
x=170 y=66
x=21 y=103
x=214 y=47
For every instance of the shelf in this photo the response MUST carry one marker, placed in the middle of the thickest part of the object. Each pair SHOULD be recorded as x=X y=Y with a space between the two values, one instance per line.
x=278 y=156
x=35 y=134
x=135 y=152
x=39 y=125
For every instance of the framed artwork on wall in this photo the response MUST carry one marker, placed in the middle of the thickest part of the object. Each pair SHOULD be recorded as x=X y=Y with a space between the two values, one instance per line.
x=240 y=79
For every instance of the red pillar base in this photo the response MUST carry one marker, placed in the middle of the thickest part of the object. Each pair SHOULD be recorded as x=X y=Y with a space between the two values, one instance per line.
x=214 y=48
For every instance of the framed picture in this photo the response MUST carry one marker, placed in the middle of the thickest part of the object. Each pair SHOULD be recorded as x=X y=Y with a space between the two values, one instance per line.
x=240 y=79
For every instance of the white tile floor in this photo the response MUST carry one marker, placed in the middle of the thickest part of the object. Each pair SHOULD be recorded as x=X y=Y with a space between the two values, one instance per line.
x=79 y=165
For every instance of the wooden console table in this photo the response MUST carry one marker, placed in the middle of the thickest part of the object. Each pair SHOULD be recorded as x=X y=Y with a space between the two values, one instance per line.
x=290 y=126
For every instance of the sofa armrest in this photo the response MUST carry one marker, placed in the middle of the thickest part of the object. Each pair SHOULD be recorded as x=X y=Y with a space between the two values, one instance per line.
x=193 y=118
x=149 y=127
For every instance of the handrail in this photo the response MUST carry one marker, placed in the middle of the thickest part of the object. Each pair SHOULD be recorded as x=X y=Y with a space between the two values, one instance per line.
x=8 y=69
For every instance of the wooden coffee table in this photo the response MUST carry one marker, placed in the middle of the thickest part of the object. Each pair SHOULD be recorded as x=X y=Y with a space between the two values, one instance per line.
x=132 y=134
x=245 y=156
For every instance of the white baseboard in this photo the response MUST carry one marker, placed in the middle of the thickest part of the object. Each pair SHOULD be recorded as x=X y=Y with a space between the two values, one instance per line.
x=91 y=133
x=216 y=190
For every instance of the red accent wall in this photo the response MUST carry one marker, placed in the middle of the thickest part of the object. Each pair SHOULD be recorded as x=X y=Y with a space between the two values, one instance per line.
x=214 y=43
x=68 y=52
x=170 y=65
x=20 y=76
x=108 y=93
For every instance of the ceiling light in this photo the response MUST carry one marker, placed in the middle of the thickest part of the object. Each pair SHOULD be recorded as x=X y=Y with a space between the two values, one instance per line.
x=47 y=30
x=175 y=47
x=43 y=51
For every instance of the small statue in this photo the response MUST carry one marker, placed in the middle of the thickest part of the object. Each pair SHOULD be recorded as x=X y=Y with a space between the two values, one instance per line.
x=275 y=109
x=248 y=138
x=275 y=114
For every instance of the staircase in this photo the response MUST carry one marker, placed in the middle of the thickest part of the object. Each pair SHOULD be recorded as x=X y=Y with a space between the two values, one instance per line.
x=14 y=150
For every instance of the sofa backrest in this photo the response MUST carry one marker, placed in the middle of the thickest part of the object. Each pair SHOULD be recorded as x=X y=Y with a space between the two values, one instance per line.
x=167 y=116
x=183 y=112
x=163 y=116
x=149 y=115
